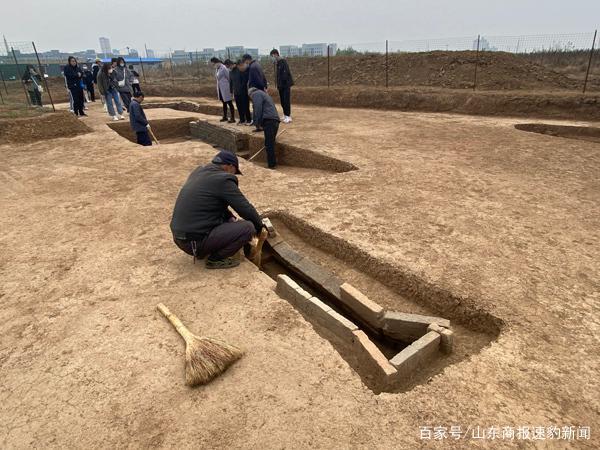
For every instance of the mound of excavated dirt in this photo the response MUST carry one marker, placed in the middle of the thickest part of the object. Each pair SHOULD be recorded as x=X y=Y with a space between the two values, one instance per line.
x=455 y=70
x=439 y=69
x=46 y=126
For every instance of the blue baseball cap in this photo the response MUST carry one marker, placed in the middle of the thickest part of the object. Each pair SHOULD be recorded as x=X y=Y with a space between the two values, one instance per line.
x=227 y=157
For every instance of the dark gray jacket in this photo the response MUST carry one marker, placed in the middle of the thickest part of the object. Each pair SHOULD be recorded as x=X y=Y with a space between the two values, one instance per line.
x=263 y=107
x=204 y=200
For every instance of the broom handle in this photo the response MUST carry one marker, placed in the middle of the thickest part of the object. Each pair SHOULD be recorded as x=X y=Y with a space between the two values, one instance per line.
x=180 y=327
x=152 y=133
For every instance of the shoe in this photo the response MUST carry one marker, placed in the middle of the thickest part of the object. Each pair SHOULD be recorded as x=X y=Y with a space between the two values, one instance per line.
x=115 y=118
x=289 y=118
x=240 y=123
x=83 y=115
x=224 y=119
x=225 y=263
x=272 y=167
x=249 y=123
x=231 y=120
x=122 y=117
x=257 y=130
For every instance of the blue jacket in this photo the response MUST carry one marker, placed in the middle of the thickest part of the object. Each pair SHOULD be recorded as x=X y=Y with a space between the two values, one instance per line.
x=256 y=76
x=137 y=117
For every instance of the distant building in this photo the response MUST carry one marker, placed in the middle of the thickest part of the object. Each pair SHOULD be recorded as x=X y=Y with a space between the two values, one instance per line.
x=234 y=52
x=104 y=46
x=181 y=57
x=289 y=51
x=150 y=53
x=483 y=45
x=115 y=52
x=133 y=53
x=252 y=52
x=319 y=49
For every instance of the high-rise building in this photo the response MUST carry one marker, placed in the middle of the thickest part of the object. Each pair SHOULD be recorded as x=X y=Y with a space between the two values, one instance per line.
x=105 y=46
x=149 y=53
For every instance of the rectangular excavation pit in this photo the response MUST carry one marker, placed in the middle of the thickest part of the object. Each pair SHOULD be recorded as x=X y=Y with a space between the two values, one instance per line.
x=202 y=108
x=167 y=131
x=290 y=159
x=401 y=334
x=591 y=134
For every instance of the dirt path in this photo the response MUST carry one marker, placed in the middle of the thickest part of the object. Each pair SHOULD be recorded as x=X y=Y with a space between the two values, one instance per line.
x=504 y=219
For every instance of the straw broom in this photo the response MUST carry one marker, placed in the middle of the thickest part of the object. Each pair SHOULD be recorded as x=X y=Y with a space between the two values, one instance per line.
x=256 y=252
x=205 y=358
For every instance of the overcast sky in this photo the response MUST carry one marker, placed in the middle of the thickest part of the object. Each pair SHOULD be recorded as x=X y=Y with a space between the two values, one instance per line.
x=193 y=24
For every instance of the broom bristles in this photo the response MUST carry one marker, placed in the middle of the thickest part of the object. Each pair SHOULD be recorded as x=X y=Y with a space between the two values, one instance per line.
x=206 y=358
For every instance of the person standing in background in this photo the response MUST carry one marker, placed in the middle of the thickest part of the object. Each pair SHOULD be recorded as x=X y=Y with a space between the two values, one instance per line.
x=33 y=82
x=95 y=71
x=284 y=82
x=88 y=80
x=223 y=88
x=108 y=89
x=73 y=76
x=123 y=77
x=239 y=79
x=135 y=82
x=256 y=76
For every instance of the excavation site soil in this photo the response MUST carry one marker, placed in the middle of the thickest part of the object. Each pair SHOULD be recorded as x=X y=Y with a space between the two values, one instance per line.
x=473 y=219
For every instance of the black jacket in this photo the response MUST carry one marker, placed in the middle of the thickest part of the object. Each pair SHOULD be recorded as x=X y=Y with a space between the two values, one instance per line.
x=203 y=202
x=137 y=117
x=284 y=75
x=95 y=70
x=256 y=76
x=88 y=78
x=239 y=80
x=73 y=76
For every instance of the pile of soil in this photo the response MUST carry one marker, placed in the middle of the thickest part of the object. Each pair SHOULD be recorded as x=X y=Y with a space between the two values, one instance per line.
x=454 y=70
x=47 y=126
x=439 y=69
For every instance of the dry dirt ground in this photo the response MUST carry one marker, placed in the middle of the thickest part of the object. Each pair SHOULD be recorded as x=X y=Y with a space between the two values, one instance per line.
x=506 y=220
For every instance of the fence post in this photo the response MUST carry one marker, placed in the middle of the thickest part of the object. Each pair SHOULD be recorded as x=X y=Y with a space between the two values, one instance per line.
x=328 y=72
x=142 y=67
x=587 y=73
x=1 y=97
x=20 y=75
x=171 y=64
x=476 y=63
x=386 y=65
x=42 y=75
x=3 y=81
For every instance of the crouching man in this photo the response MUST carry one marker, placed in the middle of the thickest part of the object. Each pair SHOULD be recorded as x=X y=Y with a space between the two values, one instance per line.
x=202 y=224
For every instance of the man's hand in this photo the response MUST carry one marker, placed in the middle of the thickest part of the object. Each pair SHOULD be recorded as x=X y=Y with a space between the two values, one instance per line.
x=148 y=126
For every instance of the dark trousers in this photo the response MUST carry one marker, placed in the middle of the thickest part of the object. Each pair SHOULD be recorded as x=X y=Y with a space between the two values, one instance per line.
x=225 y=105
x=77 y=95
x=242 y=101
x=285 y=96
x=143 y=138
x=222 y=242
x=90 y=89
x=270 y=127
x=136 y=87
x=126 y=97
x=36 y=97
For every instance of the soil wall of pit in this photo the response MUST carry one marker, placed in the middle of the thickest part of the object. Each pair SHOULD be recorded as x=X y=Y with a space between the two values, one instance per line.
x=165 y=129
x=543 y=105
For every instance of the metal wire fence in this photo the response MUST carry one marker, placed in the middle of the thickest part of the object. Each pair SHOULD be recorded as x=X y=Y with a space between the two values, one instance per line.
x=565 y=62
